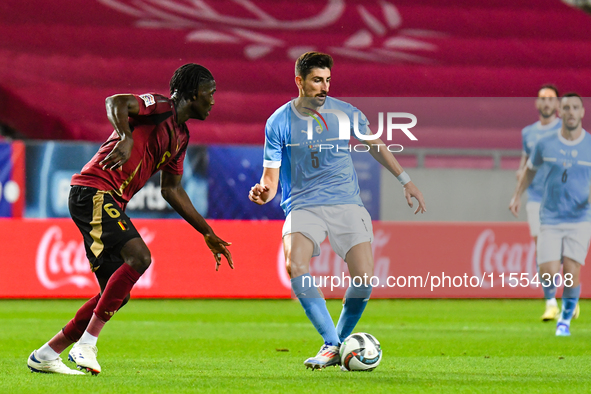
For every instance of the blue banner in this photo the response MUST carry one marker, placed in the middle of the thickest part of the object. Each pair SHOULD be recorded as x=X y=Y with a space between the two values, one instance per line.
x=12 y=179
x=50 y=166
x=5 y=176
x=232 y=172
x=216 y=178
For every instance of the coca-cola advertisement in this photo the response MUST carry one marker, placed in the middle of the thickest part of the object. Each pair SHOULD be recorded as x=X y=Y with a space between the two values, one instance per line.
x=438 y=260
x=62 y=262
x=46 y=258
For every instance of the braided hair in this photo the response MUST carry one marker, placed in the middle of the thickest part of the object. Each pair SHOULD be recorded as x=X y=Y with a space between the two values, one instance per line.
x=186 y=80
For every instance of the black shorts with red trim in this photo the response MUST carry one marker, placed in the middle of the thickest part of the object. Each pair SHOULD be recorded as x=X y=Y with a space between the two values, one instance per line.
x=104 y=227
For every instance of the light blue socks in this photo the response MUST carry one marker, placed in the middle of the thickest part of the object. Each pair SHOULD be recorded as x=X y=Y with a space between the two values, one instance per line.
x=570 y=297
x=355 y=301
x=315 y=307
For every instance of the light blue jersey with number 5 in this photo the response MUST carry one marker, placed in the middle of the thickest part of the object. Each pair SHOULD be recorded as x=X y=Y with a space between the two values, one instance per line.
x=316 y=171
x=568 y=179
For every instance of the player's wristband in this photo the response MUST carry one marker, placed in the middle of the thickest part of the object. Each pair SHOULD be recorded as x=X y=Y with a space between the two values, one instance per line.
x=404 y=178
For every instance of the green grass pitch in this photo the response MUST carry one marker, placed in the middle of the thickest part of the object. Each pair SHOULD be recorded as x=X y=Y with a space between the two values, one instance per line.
x=243 y=346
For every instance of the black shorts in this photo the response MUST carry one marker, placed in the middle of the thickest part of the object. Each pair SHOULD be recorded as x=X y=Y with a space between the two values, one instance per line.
x=104 y=226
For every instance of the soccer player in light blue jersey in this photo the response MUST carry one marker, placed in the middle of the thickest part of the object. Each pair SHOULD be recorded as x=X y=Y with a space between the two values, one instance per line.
x=320 y=196
x=565 y=213
x=549 y=123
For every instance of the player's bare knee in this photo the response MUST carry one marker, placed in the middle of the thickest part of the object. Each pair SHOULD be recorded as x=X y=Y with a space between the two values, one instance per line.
x=295 y=268
x=292 y=269
x=140 y=262
x=145 y=259
x=551 y=267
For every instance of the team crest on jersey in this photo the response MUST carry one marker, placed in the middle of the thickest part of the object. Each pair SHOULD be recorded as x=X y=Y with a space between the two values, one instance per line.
x=123 y=225
x=148 y=99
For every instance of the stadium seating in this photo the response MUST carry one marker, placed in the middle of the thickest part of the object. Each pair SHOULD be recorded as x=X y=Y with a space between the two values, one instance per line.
x=57 y=68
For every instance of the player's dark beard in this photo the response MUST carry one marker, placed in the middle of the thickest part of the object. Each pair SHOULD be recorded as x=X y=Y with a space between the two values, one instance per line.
x=319 y=100
x=546 y=114
x=573 y=128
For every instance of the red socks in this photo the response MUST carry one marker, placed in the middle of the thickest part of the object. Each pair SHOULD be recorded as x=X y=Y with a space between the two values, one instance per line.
x=59 y=342
x=76 y=327
x=118 y=287
x=94 y=327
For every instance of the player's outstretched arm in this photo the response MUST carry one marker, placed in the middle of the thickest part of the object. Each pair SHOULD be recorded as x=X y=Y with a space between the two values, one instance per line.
x=119 y=107
x=522 y=164
x=386 y=158
x=174 y=193
x=523 y=183
x=265 y=191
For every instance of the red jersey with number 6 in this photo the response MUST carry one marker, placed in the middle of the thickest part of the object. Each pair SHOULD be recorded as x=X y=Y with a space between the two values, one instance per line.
x=159 y=143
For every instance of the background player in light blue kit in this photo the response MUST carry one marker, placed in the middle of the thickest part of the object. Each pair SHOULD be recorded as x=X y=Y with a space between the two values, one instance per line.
x=320 y=196
x=547 y=106
x=565 y=213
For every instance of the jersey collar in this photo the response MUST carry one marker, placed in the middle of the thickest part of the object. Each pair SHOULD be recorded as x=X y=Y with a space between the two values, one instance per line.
x=294 y=109
x=549 y=125
x=569 y=142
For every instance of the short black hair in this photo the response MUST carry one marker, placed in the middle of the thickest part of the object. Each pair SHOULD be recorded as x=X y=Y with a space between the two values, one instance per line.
x=551 y=87
x=186 y=80
x=310 y=60
x=573 y=94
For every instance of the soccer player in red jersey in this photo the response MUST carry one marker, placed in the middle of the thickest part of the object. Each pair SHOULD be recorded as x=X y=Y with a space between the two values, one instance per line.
x=150 y=136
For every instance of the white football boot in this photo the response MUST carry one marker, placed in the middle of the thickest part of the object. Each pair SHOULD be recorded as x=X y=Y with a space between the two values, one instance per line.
x=326 y=357
x=51 y=366
x=84 y=355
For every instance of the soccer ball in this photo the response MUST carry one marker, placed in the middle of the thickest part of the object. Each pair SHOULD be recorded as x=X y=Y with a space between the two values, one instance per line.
x=360 y=352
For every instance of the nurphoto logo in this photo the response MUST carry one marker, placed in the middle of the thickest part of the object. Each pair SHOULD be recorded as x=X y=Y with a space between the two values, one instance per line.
x=345 y=128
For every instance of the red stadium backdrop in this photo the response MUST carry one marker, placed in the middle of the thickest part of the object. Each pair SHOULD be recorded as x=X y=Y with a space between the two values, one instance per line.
x=45 y=258
x=56 y=53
